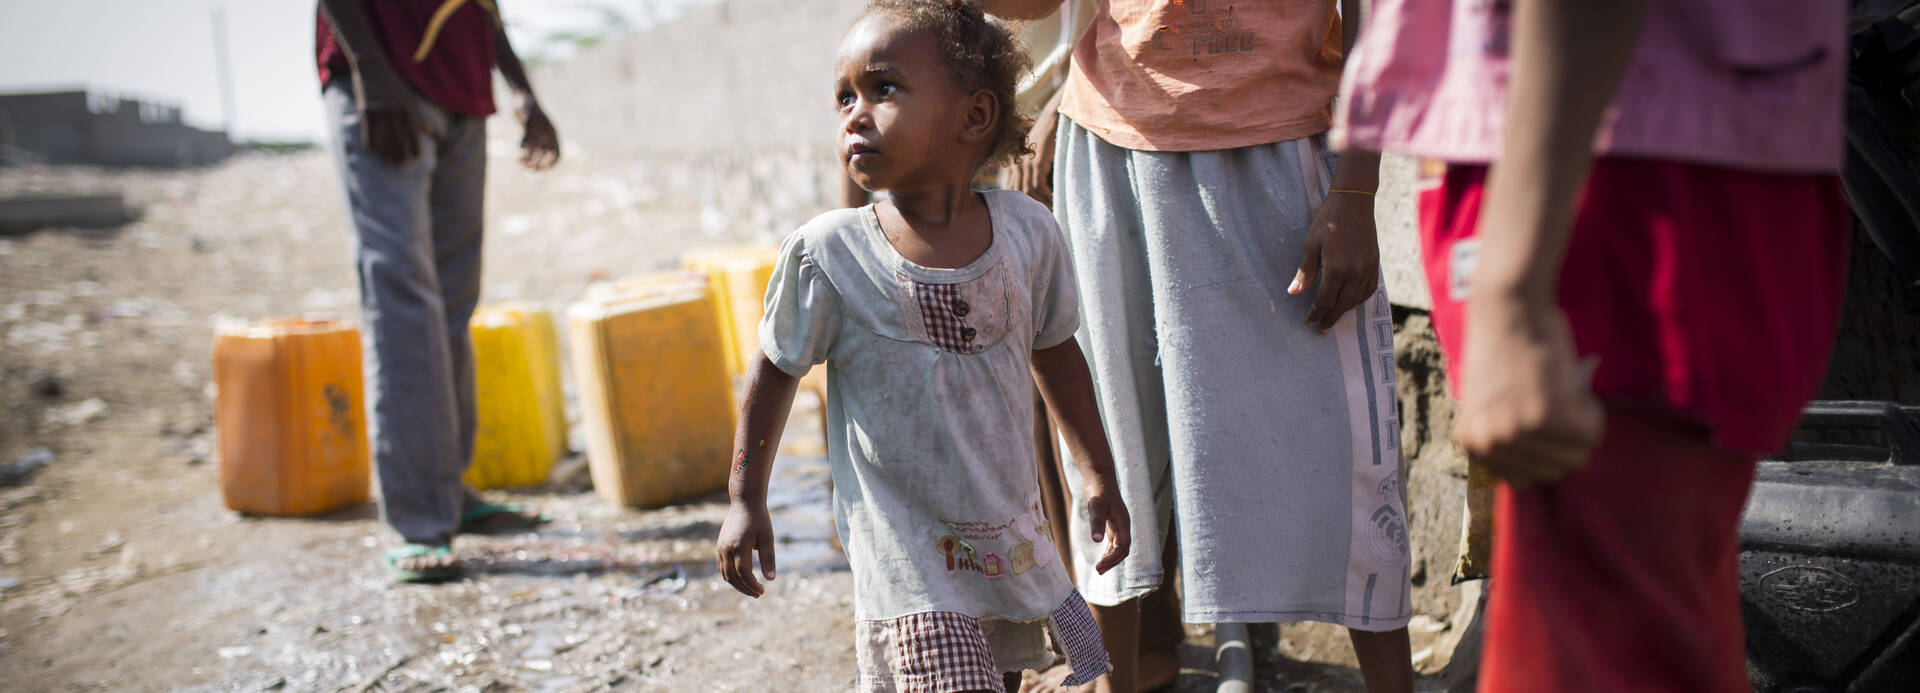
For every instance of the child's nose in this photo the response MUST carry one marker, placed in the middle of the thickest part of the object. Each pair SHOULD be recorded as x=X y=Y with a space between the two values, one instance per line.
x=860 y=115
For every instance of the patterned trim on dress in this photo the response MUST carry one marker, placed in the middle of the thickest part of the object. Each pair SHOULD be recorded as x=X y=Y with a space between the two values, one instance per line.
x=941 y=651
x=944 y=314
x=1076 y=634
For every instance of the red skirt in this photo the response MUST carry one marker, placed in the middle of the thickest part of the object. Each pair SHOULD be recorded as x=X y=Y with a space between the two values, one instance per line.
x=1710 y=296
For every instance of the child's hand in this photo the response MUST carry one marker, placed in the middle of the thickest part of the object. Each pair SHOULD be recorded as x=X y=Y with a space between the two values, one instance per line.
x=1528 y=412
x=1108 y=515
x=746 y=529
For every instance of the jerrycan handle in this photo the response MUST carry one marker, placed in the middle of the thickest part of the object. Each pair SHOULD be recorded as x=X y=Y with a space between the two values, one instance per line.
x=1891 y=419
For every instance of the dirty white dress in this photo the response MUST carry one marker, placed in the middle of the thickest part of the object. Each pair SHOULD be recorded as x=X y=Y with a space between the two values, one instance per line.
x=930 y=419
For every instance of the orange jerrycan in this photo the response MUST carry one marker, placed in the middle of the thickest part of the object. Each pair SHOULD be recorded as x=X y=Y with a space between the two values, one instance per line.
x=291 y=416
x=739 y=276
x=655 y=397
x=516 y=383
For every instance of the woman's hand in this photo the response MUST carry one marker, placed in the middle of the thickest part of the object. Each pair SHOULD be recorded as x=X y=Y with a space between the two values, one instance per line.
x=1343 y=253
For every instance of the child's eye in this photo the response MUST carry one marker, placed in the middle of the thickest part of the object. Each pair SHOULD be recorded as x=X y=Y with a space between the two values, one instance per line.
x=888 y=88
x=844 y=99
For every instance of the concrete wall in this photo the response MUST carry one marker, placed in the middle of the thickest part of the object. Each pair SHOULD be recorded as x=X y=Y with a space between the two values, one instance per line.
x=729 y=108
x=77 y=127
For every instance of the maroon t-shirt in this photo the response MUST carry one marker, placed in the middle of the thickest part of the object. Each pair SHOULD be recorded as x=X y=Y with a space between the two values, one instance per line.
x=457 y=71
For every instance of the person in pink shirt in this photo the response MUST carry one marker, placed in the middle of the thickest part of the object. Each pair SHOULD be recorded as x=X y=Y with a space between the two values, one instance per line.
x=1636 y=256
x=1237 y=328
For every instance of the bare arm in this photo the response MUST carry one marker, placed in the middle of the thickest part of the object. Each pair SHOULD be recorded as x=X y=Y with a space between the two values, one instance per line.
x=1067 y=386
x=1342 y=248
x=1349 y=25
x=508 y=62
x=1534 y=418
x=1359 y=168
x=747 y=529
x=1568 y=60
x=390 y=121
x=355 y=32
x=539 y=142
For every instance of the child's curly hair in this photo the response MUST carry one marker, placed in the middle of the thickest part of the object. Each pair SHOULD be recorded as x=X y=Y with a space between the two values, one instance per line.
x=982 y=52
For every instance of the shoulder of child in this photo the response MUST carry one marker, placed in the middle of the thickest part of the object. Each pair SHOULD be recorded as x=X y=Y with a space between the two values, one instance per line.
x=829 y=224
x=1026 y=218
x=1019 y=204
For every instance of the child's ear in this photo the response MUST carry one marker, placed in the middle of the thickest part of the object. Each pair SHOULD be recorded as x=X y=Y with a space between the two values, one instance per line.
x=983 y=111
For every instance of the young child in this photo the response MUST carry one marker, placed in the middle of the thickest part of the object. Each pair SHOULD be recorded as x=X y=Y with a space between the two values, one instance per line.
x=935 y=311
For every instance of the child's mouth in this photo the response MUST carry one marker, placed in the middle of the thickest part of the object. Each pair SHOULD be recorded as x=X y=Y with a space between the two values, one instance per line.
x=857 y=153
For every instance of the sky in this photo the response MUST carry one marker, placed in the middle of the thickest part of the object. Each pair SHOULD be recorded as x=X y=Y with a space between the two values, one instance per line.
x=163 y=50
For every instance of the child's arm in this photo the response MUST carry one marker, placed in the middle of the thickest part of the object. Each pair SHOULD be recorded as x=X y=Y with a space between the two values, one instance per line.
x=1061 y=372
x=1528 y=413
x=763 y=416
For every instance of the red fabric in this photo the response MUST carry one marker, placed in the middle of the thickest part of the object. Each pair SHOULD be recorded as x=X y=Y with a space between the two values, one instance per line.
x=457 y=73
x=1710 y=296
x=1706 y=292
x=1625 y=575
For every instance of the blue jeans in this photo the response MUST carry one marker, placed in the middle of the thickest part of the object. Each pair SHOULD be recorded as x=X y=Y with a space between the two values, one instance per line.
x=417 y=250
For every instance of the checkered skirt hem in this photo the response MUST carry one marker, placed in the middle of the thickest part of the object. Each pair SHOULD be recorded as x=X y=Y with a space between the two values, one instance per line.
x=1076 y=634
x=947 y=652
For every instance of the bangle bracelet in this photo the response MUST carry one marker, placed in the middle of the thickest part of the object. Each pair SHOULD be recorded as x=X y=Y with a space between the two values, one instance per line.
x=1356 y=192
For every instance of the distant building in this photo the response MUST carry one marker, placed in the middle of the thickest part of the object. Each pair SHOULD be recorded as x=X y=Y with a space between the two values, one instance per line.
x=89 y=127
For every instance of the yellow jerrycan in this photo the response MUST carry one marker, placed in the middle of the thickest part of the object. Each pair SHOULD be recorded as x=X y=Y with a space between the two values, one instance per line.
x=519 y=419
x=656 y=399
x=739 y=276
x=291 y=415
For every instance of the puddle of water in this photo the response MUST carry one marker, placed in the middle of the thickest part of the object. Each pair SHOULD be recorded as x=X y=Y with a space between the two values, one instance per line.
x=800 y=499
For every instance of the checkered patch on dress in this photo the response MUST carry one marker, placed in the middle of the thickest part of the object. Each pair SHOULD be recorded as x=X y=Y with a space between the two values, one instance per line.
x=1075 y=633
x=942 y=651
x=945 y=316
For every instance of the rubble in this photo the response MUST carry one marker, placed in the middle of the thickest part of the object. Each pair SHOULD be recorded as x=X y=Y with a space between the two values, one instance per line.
x=20 y=470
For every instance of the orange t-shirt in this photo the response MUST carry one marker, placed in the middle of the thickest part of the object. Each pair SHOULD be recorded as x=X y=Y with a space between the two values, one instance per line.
x=1190 y=75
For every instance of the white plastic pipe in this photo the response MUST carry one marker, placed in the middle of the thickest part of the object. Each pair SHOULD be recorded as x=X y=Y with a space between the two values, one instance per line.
x=1233 y=657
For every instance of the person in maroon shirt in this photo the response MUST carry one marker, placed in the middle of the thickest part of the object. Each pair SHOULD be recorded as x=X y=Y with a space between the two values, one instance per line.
x=408 y=86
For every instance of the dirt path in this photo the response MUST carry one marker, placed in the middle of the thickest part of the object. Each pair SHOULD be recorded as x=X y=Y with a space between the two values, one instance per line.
x=121 y=569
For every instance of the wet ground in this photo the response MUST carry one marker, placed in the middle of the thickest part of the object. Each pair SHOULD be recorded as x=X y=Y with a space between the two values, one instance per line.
x=121 y=569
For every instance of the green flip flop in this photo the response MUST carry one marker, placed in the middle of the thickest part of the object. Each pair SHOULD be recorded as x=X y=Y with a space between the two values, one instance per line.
x=485 y=518
x=440 y=573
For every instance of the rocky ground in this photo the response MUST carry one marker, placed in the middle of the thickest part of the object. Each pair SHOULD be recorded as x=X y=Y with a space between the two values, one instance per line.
x=120 y=568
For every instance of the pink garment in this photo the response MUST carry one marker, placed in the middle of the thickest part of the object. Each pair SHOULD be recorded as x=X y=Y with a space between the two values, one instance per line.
x=1746 y=84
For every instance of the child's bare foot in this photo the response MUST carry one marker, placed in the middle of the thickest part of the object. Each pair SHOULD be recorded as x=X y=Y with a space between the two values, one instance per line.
x=1158 y=670
x=1053 y=680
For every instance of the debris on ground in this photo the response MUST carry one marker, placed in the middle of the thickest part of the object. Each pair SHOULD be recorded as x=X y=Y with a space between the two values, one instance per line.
x=19 y=471
x=78 y=413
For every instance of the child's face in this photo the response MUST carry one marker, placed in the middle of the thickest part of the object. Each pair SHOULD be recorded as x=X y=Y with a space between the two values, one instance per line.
x=903 y=117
